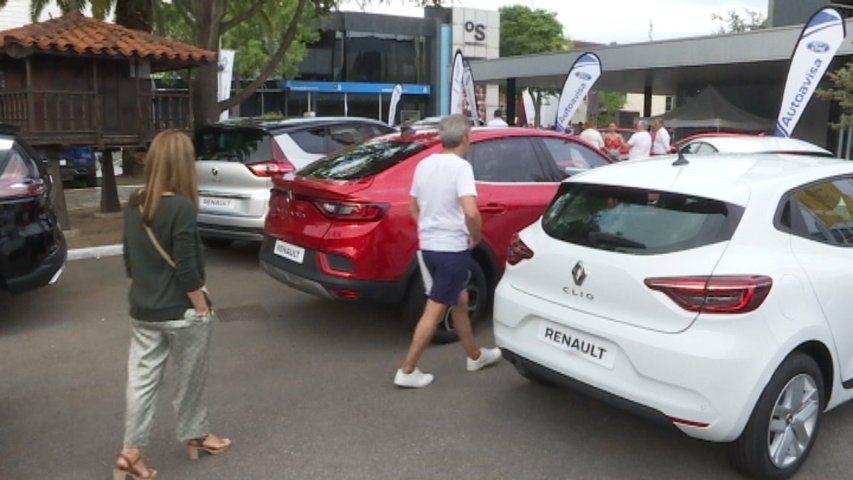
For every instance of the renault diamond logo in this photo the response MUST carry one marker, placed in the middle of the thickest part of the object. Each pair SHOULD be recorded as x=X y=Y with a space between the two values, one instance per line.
x=579 y=273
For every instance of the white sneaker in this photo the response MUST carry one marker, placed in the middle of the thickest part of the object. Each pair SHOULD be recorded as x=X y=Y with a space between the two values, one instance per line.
x=416 y=379
x=488 y=356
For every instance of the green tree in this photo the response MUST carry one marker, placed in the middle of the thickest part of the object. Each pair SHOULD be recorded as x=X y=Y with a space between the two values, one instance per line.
x=609 y=104
x=525 y=31
x=735 y=22
x=841 y=92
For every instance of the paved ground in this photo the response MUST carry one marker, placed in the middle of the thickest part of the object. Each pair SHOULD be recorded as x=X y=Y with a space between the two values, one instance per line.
x=304 y=387
x=91 y=197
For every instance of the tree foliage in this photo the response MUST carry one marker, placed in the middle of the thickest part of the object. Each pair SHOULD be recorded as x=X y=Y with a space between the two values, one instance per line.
x=525 y=30
x=735 y=22
x=609 y=104
x=841 y=92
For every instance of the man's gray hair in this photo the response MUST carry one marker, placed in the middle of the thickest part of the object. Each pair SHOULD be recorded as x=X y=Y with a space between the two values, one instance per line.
x=642 y=125
x=452 y=129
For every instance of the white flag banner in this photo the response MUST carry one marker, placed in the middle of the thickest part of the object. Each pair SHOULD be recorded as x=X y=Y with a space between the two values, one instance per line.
x=457 y=88
x=820 y=39
x=396 y=93
x=529 y=107
x=226 y=74
x=470 y=93
x=581 y=77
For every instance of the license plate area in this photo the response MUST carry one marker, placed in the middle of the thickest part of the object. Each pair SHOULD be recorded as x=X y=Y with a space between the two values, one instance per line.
x=588 y=347
x=289 y=251
x=219 y=204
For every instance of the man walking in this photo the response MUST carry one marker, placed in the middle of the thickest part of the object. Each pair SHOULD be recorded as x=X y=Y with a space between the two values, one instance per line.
x=444 y=205
x=660 y=138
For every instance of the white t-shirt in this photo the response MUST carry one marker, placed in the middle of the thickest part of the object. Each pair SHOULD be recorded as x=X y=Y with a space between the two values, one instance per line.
x=641 y=145
x=661 y=144
x=593 y=137
x=439 y=182
x=497 y=122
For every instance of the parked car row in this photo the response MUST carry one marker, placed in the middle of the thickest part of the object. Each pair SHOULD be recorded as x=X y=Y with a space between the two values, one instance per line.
x=705 y=291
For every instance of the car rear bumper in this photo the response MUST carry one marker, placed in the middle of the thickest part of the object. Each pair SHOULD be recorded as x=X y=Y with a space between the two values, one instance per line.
x=705 y=379
x=46 y=272
x=231 y=227
x=307 y=277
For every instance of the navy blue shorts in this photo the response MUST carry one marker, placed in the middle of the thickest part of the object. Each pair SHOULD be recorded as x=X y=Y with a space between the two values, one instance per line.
x=446 y=275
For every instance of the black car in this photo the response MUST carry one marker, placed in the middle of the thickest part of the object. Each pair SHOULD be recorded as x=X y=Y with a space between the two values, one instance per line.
x=32 y=247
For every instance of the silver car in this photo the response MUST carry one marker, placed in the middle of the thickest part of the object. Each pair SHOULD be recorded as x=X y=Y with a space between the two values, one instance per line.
x=236 y=161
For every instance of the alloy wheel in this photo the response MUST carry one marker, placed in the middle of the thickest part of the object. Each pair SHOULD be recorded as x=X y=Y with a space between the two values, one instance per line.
x=793 y=421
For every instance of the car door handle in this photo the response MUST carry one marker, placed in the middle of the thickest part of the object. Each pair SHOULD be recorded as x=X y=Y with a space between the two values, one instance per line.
x=492 y=208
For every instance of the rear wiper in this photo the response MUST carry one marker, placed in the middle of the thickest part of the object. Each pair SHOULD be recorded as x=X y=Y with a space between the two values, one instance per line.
x=601 y=238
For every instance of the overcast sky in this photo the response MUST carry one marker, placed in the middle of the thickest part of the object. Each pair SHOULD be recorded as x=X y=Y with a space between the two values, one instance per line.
x=621 y=21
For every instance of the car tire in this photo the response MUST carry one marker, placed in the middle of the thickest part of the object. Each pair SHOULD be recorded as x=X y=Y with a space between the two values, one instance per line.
x=91 y=177
x=478 y=293
x=216 y=242
x=787 y=416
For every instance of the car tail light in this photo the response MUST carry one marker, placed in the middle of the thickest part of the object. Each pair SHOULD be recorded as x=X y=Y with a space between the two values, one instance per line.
x=15 y=181
x=517 y=251
x=352 y=211
x=279 y=165
x=715 y=294
x=346 y=294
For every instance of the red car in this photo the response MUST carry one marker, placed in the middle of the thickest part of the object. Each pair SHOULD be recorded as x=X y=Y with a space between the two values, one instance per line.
x=340 y=227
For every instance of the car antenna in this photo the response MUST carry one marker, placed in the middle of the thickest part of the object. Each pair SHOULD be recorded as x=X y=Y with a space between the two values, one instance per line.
x=681 y=160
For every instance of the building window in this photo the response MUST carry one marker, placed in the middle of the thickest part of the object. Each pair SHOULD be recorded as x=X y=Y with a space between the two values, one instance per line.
x=668 y=103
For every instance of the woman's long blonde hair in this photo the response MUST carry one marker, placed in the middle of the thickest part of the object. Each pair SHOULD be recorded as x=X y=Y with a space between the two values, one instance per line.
x=169 y=169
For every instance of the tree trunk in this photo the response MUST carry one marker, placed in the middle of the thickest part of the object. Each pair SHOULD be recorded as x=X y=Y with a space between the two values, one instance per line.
x=209 y=15
x=109 y=190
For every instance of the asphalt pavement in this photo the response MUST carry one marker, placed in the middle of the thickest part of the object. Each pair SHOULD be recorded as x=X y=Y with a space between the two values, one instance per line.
x=303 y=386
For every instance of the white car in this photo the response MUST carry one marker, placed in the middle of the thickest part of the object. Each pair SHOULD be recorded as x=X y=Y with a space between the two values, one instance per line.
x=728 y=143
x=711 y=293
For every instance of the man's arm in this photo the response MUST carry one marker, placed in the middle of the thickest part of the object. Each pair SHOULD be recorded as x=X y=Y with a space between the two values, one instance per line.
x=414 y=208
x=472 y=218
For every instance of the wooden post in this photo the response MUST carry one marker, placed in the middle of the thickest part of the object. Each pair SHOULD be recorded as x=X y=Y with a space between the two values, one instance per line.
x=54 y=154
x=190 y=123
x=97 y=117
x=109 y=190
x=31 y=104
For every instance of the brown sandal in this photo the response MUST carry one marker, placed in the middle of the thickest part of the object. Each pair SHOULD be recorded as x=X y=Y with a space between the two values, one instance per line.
x=196 y=444
x=121 y=472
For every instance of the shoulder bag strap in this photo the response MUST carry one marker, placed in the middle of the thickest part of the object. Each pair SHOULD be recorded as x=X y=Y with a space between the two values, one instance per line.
x=156 y=243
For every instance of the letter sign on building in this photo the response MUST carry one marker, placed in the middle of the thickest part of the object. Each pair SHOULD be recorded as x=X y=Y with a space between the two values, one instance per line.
x=478 y=29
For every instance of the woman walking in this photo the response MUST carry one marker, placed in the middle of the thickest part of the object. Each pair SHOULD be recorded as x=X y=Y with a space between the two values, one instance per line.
x=169 y=310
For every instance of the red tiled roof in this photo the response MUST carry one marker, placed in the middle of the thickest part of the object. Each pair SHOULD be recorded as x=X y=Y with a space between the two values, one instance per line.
x=75 y=32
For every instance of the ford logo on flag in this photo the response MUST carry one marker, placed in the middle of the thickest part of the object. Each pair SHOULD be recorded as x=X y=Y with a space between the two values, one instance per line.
x=818 y=47
x=583 y=76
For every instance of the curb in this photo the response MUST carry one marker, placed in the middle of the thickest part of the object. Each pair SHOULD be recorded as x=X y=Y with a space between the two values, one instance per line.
x=95 y=252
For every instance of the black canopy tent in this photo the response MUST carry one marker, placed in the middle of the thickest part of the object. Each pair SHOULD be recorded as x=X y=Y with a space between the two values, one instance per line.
x=709 y=109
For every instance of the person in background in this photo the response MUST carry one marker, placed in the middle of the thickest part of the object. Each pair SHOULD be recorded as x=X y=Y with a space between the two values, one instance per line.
x=614 y=142
x=660 y=137
x=444 y=206
x=498 y=120
x=591 y=135
x=640 y=142
x=169 y=310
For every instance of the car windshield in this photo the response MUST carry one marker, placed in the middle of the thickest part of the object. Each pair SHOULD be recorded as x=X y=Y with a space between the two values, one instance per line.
x=245 y=145
x=636 y=221
x=364 y=160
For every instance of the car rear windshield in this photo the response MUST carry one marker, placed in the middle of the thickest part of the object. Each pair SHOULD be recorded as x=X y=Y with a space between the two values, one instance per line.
x=636 y=221
x=363 y=160
x=245 y=145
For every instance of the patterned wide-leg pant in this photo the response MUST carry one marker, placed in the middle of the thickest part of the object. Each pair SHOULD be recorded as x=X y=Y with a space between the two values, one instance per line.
x=186 y=342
